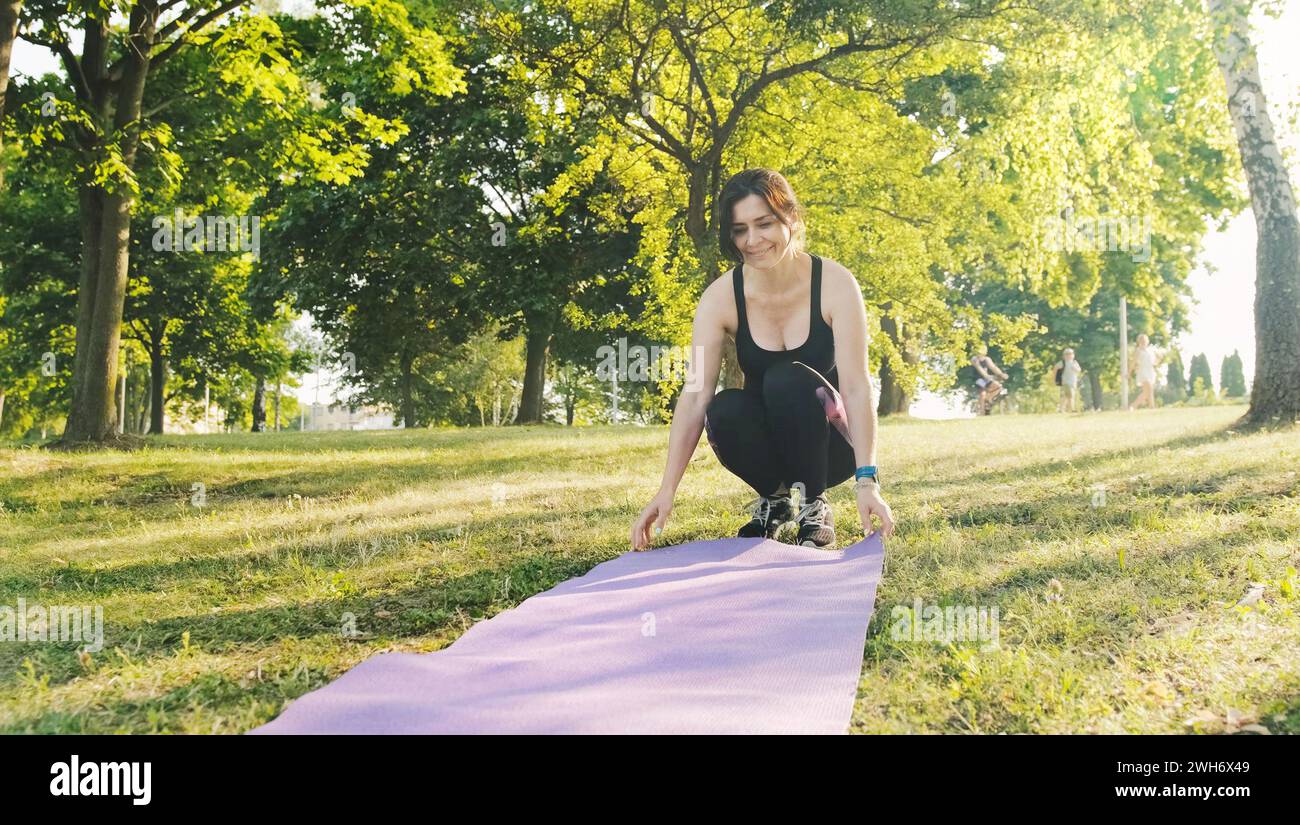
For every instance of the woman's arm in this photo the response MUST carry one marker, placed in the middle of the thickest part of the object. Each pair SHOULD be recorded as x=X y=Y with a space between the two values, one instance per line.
x=705 y=360
x=849 y=324
x=703 y=363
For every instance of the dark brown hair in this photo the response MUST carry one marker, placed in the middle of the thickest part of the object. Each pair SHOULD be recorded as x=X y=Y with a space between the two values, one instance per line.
x=775 y=191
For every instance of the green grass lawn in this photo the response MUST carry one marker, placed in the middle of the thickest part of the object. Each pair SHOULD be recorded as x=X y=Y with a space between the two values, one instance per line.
x=216 y=616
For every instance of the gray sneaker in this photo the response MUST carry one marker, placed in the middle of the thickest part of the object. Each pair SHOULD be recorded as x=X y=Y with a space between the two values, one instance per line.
x=770 y=513
x=816 y=523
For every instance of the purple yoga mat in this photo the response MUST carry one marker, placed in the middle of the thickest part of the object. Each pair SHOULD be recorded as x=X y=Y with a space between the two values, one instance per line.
x=723 y=636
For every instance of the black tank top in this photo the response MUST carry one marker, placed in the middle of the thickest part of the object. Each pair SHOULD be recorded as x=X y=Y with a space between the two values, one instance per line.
x=817 y=352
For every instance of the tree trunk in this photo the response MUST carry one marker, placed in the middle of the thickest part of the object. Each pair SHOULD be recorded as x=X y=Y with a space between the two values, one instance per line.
x=538 y=341
x=570 y=403
x=259 y=406
x=128 y=401
x=119 y=399
x=92 y=417
x=2 y=408
x=569 y=392
x=142 y=419
x=277 y=406
x=95 y=418
x=89 y=203
x=732 y=376
x=1094 y=383
x=699 y=230
x=1275 y=392
x=894 y=397
x=697 y=204
x=408 y=399
x=91 y=218
x=157 y=386
x=9 y=12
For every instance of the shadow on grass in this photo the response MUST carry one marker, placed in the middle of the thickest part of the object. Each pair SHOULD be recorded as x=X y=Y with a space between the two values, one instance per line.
x=431 y=604
x=1125 y=505
x=1019 y=473
x=1109 y=629
x=363 y=440
x=335 y=482
x=153 y=576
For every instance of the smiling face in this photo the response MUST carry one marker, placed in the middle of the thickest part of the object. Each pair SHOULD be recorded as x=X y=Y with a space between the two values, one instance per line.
x=759 y=235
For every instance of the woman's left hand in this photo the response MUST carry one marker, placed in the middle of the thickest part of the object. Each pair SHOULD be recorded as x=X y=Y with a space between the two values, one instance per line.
x=869 y=502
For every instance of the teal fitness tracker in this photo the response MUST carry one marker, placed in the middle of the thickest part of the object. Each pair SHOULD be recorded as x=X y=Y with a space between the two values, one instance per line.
x=866 y=471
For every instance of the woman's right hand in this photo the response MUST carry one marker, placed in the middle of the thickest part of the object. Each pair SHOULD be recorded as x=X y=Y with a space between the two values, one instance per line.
x=655 y=512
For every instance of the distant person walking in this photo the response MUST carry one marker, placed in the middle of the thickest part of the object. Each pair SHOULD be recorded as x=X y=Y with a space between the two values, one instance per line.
x=1144 y=366
x=1068 y=371
x=987 y=374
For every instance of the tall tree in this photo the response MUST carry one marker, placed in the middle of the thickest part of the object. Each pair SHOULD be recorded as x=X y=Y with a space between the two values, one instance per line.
x=1175 y=388
x=1232 y=376
x=1275 y=393
x=1199 y=378
x=382 y=263
x=110 y=125
x=677 y=81
x=39 y=252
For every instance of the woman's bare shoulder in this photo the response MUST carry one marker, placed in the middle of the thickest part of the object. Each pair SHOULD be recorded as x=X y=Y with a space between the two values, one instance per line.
x=835 y=270
x=840 y=284
x=716 y=304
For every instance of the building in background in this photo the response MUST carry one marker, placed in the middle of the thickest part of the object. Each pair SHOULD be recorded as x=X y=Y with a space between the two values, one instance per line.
x=343 y=417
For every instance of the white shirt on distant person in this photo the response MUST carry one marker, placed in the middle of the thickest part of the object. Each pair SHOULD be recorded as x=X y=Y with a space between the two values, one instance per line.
x=1070 y=372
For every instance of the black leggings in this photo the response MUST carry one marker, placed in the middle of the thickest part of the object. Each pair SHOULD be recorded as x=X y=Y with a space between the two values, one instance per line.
x=792 y=430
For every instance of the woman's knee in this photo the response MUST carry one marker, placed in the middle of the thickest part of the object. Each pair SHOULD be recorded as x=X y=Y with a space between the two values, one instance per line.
x=724 y=412
x=726 y=404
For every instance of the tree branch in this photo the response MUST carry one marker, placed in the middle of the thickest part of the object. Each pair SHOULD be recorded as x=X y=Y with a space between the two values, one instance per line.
x=696 y=74
x=183 y=40
x=70 y=62
x=904 y=218
x=157 y=59
x=169 y=101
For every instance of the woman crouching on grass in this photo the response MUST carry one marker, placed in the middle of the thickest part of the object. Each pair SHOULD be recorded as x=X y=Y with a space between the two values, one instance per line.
x=806 y=416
